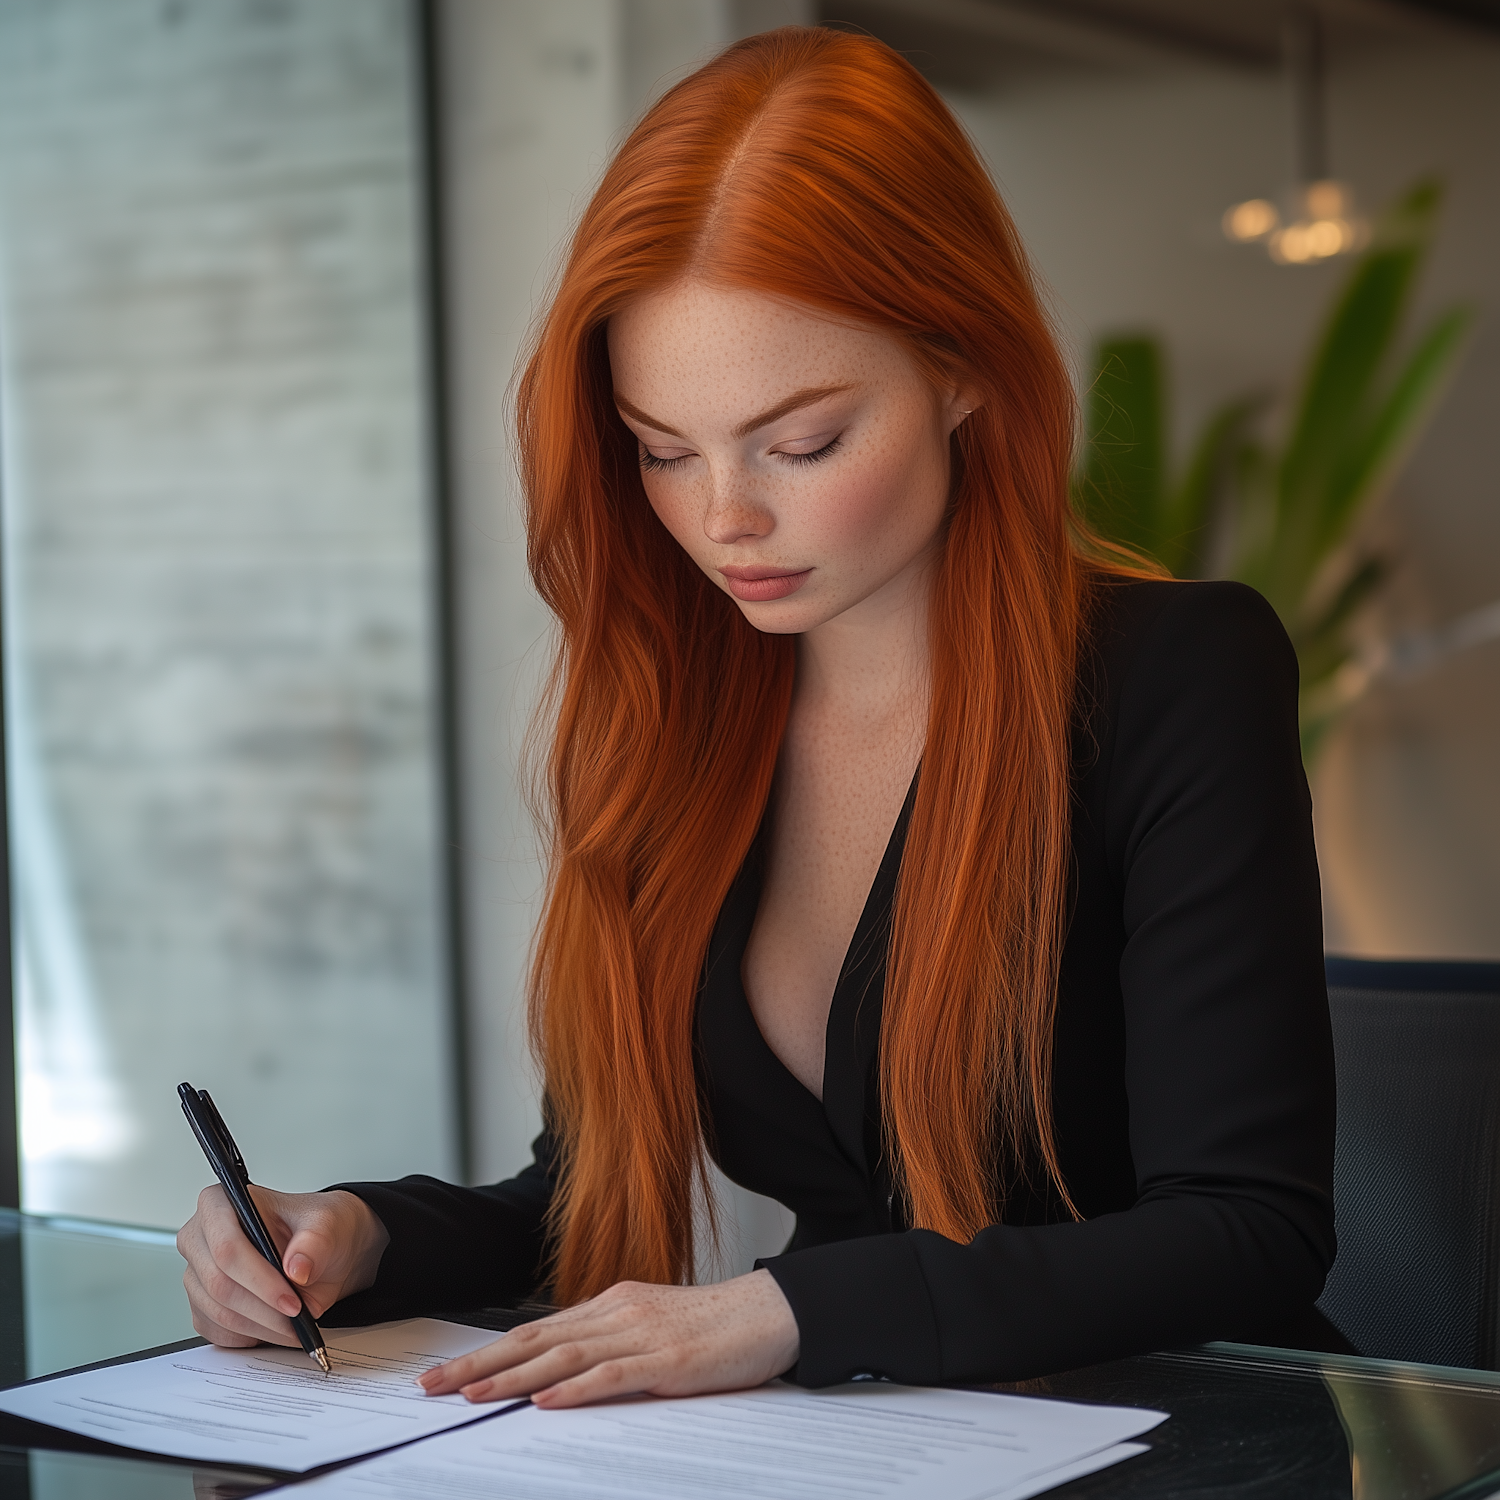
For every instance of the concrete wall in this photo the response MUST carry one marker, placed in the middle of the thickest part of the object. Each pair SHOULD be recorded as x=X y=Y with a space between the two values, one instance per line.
x=218 y=596
x=1117 y=185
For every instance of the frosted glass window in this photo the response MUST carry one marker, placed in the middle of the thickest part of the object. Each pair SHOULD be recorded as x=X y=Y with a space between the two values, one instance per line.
x=219 y=641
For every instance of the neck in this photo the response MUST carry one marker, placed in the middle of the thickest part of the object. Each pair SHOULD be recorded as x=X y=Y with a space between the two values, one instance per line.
x=871 y=662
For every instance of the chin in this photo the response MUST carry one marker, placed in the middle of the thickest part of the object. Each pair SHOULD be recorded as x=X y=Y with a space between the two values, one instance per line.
x=776 y=618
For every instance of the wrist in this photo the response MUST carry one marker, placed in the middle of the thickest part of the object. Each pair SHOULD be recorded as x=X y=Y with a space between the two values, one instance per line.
x=368 y=1239
x=781 y=1320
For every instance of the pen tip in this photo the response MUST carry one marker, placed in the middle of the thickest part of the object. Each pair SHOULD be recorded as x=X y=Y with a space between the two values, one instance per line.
x=321 y=1355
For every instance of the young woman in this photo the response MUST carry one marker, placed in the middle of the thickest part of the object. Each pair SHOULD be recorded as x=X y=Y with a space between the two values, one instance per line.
x=928 y=872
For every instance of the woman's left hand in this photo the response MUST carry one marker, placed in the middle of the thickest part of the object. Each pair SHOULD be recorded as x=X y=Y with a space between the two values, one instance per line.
x=660 y=1340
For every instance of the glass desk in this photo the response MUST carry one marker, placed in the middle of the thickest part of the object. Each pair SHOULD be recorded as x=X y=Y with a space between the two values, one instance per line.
x=1246 y=1422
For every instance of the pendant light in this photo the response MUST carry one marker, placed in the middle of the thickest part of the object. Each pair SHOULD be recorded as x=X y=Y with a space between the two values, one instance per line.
x=1318 y=219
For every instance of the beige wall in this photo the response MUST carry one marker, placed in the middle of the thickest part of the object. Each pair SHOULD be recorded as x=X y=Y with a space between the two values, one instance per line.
x=1117 y=186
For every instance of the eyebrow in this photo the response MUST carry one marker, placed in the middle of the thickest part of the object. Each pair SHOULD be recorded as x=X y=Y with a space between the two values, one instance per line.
x=795 y=402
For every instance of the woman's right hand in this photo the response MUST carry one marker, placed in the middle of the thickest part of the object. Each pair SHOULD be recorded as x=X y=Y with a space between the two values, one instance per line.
x=330 y=1244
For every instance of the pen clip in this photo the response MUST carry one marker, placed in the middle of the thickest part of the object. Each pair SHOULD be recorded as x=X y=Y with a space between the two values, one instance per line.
x=210 y=1148
x=220 y=1129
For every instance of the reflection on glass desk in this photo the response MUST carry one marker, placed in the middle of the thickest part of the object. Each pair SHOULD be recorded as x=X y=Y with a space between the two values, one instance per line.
x=1245 y=1422
x=1252 y=1421
x=92 y=1291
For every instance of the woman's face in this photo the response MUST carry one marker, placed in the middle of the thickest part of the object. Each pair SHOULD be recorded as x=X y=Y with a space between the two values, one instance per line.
x=802 y=464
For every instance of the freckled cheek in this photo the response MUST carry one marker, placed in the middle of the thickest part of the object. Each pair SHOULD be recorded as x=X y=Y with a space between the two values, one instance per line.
x=857 y=510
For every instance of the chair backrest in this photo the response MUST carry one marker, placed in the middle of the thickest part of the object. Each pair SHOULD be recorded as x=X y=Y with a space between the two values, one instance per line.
x=1417 y=1168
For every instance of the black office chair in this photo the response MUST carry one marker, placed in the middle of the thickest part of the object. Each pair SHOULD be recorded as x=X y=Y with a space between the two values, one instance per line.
x=1417 y=1169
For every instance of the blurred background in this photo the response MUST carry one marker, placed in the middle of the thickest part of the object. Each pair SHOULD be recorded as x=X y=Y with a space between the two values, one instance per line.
x=270 y=646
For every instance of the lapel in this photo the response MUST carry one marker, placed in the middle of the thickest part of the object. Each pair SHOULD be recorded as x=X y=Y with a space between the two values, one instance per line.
x=851 y=1093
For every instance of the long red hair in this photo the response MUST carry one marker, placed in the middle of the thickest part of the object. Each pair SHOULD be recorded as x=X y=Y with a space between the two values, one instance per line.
x=821 y=167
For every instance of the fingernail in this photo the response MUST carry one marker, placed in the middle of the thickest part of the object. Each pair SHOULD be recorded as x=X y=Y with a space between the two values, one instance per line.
x=474 y=1390
x=289 y=1305
x=299 y=1268
x=427 y=1379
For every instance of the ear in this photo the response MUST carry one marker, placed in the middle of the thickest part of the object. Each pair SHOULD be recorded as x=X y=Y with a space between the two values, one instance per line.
x=962 y=401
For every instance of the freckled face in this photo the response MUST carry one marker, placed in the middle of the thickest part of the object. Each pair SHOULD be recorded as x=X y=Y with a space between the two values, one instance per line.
x=803 y=465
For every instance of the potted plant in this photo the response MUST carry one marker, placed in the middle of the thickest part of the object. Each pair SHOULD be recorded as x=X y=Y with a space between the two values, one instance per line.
x=1281 y=512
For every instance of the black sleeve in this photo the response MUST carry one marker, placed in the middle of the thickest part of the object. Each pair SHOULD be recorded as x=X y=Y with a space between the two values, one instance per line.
x=1228 y=1058
x=453 y=1247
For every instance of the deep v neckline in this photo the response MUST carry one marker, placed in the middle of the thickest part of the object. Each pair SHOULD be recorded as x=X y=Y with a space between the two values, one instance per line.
x=852 y=1030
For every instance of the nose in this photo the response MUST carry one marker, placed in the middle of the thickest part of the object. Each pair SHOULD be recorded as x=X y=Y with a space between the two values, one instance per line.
x=733 y=513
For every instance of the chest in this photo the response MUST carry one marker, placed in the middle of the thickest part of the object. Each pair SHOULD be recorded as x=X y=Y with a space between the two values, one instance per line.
x=840 y=787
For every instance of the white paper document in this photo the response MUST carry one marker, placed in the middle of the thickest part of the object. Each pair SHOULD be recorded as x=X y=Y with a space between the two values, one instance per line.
x=266 y=1405
x=869 y=1441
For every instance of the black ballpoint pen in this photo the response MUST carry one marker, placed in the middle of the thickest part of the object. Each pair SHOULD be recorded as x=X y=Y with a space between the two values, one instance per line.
x=229 y=1167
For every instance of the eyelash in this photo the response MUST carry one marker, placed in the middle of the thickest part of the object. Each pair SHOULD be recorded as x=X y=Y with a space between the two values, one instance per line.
x=654 y=465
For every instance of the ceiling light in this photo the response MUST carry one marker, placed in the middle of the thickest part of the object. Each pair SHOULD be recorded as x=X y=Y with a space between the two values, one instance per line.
x=1318 y=219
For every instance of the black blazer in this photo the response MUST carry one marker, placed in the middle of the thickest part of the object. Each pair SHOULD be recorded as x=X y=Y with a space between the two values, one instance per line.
x=1193 y=1064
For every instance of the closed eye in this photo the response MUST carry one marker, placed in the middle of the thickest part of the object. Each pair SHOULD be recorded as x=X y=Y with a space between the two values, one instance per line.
x=817 y=456
x=652 y=464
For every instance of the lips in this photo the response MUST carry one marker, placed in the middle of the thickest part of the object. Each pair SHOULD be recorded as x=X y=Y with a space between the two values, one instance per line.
x=757 y=585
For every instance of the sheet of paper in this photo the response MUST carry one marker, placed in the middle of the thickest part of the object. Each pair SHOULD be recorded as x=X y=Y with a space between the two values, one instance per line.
x=266 y=1405
x=1054 y=1477
x=869 y=1441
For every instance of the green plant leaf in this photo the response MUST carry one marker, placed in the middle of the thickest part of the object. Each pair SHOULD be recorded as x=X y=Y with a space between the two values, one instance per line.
x=1322 y=647
x=1332 y=419
x=1395 y=426
x=1189 y=505
x=1123 y=475
x=1252 y=487
x=1354 y=343
x=1361 y=327
x=1357 y=588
